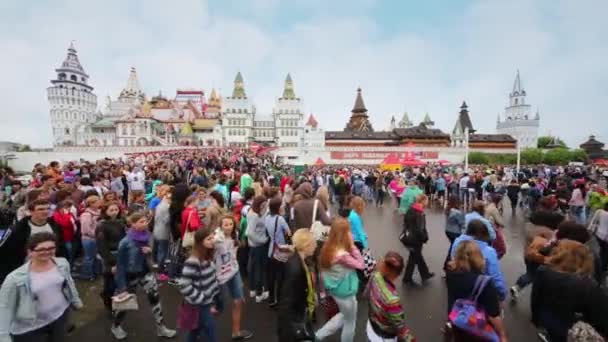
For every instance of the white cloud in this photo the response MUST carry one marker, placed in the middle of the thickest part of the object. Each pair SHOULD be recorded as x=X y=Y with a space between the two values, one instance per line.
x=558 y=46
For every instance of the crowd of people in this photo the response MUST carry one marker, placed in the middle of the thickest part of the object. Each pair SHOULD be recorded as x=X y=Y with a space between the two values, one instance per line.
x=214 y=223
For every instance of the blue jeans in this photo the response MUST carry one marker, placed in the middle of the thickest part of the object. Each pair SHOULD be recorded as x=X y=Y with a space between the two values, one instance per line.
x=161 y=250
x=89 y=247
x=257 y=268
x=578 y=212
x=206 y=326
x=69 y=249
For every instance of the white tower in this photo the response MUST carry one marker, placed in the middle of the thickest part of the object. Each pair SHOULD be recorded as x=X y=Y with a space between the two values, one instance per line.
x=289 y=115
x=518 y=119
x=237 y=117
x=71 y=99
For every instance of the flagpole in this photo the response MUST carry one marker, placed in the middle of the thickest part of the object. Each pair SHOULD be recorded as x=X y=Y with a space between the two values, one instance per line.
x=466 y=149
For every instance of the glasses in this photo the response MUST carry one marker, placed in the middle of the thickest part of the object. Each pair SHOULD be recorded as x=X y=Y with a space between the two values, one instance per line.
x=45 y=250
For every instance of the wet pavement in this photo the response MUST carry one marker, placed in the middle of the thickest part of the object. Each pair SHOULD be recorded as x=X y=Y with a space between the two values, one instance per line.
x=425 y=305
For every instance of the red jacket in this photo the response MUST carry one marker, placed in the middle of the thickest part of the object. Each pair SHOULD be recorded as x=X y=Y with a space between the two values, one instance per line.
x=190 y=217
x=67 y=223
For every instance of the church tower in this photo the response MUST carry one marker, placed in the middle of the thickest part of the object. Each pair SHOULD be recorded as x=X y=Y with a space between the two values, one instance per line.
x=359 y=121
x=518 y=120
x=288 y=115
x=214 y=106
x=71 y=99
x=237 y=116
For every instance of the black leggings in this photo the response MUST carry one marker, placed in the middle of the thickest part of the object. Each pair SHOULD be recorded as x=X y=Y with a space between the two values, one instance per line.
x=52 y=332
x=150 y=287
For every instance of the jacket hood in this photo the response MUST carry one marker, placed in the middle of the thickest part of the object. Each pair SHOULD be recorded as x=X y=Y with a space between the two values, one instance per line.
x=305 y=189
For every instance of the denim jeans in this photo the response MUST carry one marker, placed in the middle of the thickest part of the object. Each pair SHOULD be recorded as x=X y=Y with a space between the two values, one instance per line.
x=69 y=249
x=161 y=250
x=578 y=213
x=345 y=319
x=257 y=268
x=206 y=326
x=89 y=247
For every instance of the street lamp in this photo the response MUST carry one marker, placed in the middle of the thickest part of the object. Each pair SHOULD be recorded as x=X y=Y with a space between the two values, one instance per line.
x=466 y=149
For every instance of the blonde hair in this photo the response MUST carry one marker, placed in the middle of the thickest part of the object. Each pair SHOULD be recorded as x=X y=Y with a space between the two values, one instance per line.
x=257 y=187
x=468 y=258
x=323 y=196
x=571 y=256
x=302 y=238
x=92 y=200
x=357 y=204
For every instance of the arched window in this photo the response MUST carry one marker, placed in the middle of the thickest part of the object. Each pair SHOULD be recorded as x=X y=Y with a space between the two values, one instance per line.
x=67 y=130
x=74 y=78
x=62 y=78
x=515 y=101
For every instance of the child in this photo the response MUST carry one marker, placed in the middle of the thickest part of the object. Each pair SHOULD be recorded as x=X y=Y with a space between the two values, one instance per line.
x=137 y=202
x=133 y=268
x=229 y=278
x=199 y=285
x=64 y=218
x=88 y=228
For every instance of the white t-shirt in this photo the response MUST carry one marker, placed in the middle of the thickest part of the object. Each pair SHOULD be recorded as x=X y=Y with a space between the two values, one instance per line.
x=464 y=182
x=136 y=180
x=34 y=229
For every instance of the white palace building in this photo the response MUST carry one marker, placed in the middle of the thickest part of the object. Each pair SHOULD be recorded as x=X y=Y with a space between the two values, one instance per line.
x=132 y=122
x=188 y=119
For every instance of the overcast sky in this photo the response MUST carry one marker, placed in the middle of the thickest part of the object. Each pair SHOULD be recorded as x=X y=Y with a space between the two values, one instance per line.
x=414 y=56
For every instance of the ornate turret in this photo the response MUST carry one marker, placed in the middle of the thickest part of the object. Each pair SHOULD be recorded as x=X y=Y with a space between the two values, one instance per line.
x=239 y=87
x=288 y=92
x=359 y=121
x=312 y=122
x=132 y=90
x=405 y=121
x=393 y=123
x=214 y=105
x=427 y=121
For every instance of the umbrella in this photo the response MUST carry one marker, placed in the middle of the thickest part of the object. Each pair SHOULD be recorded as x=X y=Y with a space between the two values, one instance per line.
x=319 y=162
x=412 y=162
x=443 y=162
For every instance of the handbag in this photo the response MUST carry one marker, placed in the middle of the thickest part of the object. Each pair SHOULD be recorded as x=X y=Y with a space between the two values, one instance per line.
x=369 y=263
x=127 y=302
x=188 y=239
x=469 y=317
x=407 y=238
x=187 y=316
x=320 y=231
x=279 y=253
x=329 y=306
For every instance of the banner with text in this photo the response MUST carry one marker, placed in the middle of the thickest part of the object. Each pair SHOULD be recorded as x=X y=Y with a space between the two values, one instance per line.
x=381 y=154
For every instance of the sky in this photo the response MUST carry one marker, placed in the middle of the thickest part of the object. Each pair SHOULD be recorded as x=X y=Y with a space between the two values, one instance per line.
x=414 y=56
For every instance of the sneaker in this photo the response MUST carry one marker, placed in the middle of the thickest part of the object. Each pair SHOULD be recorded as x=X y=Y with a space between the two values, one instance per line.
x=118 y=333
x=173 y=282
x=162 y=277
x=259 y=299
x=252 y=294
x=265 y=295
x=163 y=331
x=514 y=290
x=242 y=335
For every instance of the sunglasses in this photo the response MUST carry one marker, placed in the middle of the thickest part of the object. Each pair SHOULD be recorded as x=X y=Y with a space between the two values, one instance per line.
x=45 y=250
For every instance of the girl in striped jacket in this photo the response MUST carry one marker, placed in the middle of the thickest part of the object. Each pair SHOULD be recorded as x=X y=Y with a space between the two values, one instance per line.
x=199 y=285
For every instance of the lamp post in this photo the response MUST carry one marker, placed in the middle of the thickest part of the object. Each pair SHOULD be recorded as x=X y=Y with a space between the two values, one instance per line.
x=518 y=158
x=466 y=149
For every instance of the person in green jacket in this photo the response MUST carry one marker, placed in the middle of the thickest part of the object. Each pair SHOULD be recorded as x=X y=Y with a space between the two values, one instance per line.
x=409 y=196
x=245 y=183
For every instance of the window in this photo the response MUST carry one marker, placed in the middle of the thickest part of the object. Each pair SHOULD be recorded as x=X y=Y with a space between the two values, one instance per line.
x=67 y=130
x=74 y=78
x=515 y=101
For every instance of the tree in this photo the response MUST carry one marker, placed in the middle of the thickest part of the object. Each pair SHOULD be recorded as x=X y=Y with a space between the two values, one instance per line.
x=546 y=140
x=24 y=148
x=579 y=155
x=558 y=156
x=478 y=158
x=531 y=156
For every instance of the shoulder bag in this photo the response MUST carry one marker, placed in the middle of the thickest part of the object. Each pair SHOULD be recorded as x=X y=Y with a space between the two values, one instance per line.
x=188 y=239
x=279 y=253
x=320 y=231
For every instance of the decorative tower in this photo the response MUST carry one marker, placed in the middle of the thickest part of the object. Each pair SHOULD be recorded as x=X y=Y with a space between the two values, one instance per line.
x=237 y=116
x=214 y=106
x=288 y=116
x=131 y=97
x=462 y=124
x=405 y=121
x=71 y=99
x=393 y=124
x=427 y=121
x=518 y=121
x=359 y=121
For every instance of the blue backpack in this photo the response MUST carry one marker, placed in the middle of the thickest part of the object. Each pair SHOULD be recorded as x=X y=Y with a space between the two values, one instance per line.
x=467 y=316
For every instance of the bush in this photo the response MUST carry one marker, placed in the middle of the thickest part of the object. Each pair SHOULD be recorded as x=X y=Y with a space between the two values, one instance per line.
x=478 y=158
x=531 y=156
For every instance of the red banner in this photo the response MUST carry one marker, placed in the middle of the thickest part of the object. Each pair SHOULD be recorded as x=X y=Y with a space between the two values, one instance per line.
x=382 y=154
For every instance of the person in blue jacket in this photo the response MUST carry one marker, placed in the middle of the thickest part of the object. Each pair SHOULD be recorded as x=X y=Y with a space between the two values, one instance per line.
x=478 y=232
x=357 y=205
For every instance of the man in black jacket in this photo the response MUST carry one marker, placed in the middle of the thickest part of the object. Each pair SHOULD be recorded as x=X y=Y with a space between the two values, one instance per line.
x=13 y=252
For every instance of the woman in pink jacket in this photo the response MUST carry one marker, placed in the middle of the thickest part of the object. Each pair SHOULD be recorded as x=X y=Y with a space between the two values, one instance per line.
x=88 y=228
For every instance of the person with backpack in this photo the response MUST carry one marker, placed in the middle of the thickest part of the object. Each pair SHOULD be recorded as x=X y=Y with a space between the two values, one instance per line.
x=465 y=271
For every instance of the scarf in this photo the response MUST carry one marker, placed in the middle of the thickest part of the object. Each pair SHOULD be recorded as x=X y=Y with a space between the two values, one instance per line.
x=140 y=238
x=310 y=296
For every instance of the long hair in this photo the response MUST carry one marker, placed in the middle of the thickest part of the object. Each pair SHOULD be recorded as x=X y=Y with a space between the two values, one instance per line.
x=571 y=256
x=468 y=258
x=105 y=208
x=339 y=238
x=323 y=196
x=178 y=199
x=199 y=250
x=357 y=204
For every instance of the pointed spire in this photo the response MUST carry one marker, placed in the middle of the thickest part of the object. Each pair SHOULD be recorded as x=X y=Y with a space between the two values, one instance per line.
x=405 y=121
x=359 y=105
x=132 y=88
x=288 y=92
x=312 y=122
x=517 y=84
x=213 y=95
x=537 y=116
x=464 y=120
x=71 y=62
x=239 y=87
x=464 y=105
x=427 y=118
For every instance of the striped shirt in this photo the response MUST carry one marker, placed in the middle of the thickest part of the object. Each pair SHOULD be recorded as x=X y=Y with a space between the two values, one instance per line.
x=198 y=283
x=385 y=310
